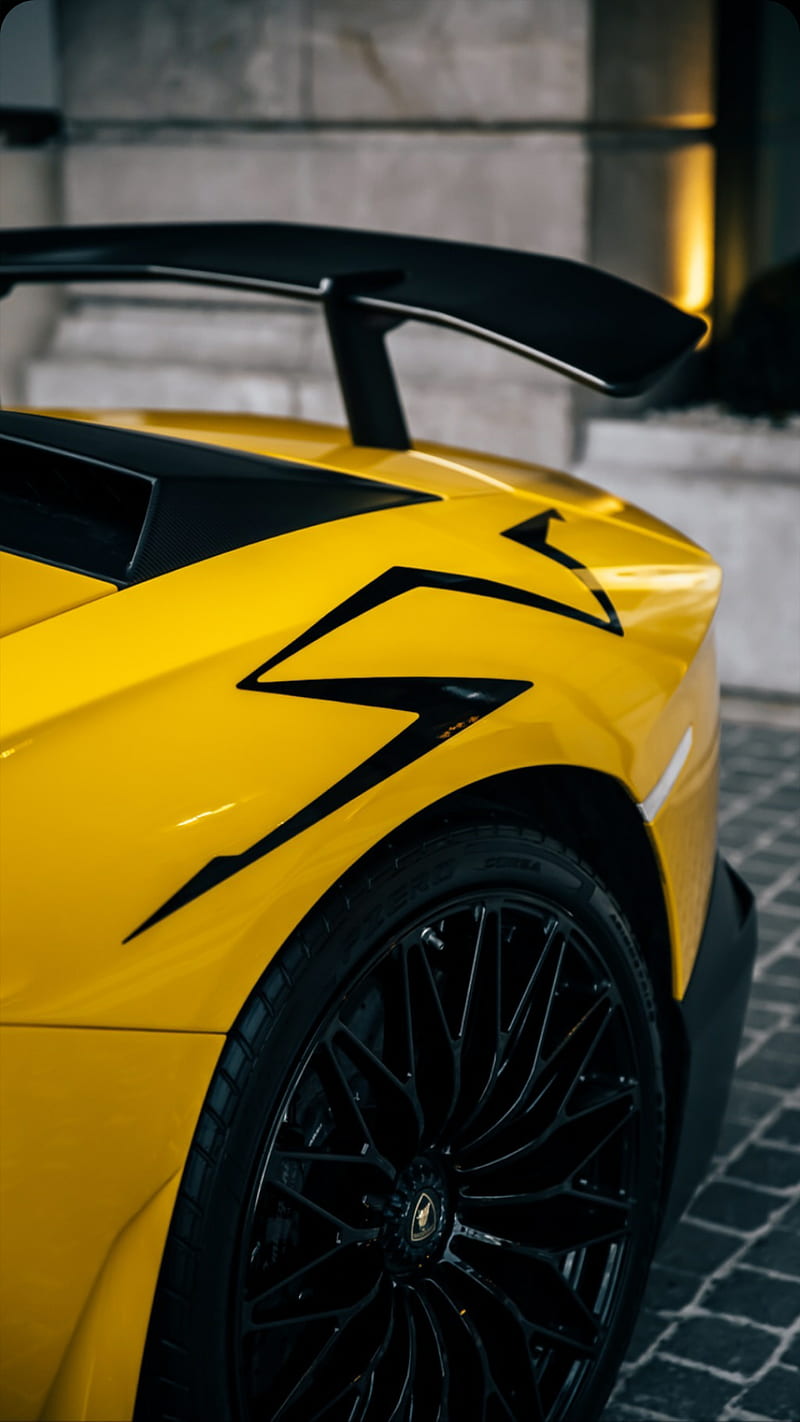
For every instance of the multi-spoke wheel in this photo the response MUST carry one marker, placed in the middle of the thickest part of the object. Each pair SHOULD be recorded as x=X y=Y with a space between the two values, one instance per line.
x=436 y=1191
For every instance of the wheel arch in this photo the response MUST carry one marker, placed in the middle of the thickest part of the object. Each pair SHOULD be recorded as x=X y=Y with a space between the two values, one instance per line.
x=594 y=815
x=503 y=798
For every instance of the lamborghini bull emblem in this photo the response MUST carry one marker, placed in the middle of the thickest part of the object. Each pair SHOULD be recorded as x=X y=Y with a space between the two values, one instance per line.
x=424 y=1219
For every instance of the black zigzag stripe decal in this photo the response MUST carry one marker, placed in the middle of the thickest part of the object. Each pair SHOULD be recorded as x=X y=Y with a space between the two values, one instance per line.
x=398 y=580
x=533 y=534
x=443 y=709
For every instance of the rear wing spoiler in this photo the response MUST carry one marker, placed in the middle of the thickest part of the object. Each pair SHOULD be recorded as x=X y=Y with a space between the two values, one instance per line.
x=592 y=327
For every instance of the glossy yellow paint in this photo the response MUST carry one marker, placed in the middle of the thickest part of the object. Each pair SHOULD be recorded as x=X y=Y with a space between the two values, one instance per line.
x=95 y=1125
x=125 y=714
x=130 y=759
x=99 y=1373
x=685 y=831
x=31 y=592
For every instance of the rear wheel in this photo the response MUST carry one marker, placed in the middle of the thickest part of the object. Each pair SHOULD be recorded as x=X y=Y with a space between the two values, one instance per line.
x=426 y=1177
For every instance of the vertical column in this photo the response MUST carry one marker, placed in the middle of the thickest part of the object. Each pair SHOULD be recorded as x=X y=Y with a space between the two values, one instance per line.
x=653 y=116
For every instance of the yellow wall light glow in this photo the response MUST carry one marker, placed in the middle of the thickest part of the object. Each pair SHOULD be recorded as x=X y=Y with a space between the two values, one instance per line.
x=691 y=227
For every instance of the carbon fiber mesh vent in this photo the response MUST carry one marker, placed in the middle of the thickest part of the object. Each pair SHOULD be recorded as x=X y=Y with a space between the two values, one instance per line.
x=63 y=510
x=129 y=506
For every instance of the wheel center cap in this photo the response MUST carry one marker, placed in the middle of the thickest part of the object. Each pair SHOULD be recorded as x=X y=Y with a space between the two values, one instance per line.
x=416 y=1217
x=424 y=1218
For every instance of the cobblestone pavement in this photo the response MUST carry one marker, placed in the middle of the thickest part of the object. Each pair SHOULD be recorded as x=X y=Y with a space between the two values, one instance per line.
x=719 y=1334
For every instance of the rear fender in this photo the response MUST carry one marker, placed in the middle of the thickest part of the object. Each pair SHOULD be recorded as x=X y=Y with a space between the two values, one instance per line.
x=149 y=744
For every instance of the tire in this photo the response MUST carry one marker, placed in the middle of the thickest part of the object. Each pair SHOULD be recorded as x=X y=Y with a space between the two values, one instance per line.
x=429 y=1161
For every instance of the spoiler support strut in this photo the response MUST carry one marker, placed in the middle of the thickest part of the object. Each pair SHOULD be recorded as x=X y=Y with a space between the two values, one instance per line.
x=366 y=378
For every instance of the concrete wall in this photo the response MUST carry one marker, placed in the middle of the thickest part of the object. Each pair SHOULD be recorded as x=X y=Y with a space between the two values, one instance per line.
x=567 y=126
x=29 y=196
x=329 y=60
x=30 y=186
x=514 y=123
x=735 y=489
x=451 y=118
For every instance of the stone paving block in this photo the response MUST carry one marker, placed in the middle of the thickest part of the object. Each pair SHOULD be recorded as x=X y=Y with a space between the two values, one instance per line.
x=781 y=992
x=769 y=1066
x=746 y=1294
x=779 y=1250
x=674 y=1288
x=784 y=969
x=749 y=1102
x=741 y=782
x=770 y=860
x=695 y=1249
x=762 y=1019
x=731 y=1135
x=731 y=1347
x=776 y=1396
x=768 y=822
x=765 y=1165
x=758 y=875
x=755 y=831
x=690 y=1393
x=737 y=834
x=779 y=849
x=767 y=744
x=790 y=843
x=786 y=1042
x=785 y=799
x=736 y=1206
x=786 y=1129
x=772 y=927
x=649 y=1326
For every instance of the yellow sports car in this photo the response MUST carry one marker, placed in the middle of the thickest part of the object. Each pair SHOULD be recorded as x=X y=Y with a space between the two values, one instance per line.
x=371 y=983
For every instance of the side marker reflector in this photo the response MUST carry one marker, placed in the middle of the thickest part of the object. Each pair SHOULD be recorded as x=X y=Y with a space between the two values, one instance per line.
x=650 y=806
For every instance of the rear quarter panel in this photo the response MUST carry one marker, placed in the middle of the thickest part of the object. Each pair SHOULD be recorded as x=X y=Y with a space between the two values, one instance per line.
x=131 y=758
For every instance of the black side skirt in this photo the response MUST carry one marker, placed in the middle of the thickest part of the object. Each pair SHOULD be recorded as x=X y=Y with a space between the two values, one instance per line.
x=711 y=1016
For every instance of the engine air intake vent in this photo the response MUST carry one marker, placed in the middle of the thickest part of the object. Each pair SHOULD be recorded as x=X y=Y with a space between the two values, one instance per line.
x=64 y=510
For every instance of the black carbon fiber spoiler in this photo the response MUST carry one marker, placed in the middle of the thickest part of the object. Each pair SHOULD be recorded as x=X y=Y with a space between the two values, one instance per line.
x=595 y=328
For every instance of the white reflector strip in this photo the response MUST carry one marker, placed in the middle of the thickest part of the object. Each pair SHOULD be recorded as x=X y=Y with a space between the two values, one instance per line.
x=652 y=804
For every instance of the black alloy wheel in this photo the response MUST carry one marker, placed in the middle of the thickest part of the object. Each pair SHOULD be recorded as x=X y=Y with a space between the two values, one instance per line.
x=447 y=1210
